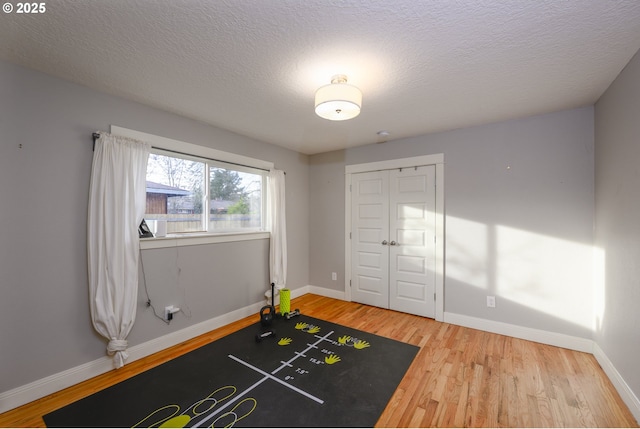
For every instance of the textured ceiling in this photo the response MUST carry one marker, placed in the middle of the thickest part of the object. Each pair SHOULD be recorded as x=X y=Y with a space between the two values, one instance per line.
x=252 y=66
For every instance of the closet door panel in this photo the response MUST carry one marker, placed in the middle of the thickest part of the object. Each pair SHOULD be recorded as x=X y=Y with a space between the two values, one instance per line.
x=412 y=197
x=370 y=229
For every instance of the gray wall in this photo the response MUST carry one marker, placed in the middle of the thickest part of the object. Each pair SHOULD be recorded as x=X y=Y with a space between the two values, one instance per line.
x=519 y=203
x=44 y=307
x=617 y=142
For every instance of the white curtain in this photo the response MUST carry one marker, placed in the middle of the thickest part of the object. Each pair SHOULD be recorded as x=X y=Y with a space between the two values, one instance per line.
x=278 y=227
x=116 y=208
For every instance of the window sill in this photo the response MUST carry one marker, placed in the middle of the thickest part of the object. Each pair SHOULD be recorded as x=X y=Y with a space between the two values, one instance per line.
x=196 y=239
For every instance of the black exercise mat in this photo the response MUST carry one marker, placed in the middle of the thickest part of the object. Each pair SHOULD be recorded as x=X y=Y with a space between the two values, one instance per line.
x=312 y=373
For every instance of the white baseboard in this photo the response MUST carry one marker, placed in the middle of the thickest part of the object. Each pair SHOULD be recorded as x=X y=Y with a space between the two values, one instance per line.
x=323 y=291
x=317 y=290
x=53 y=383
x=56 y=382
x=531 y=334
x=294 y=294
x=621 y=386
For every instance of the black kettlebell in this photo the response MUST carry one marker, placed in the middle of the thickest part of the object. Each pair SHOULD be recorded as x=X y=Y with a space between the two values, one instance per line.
x=266 y=315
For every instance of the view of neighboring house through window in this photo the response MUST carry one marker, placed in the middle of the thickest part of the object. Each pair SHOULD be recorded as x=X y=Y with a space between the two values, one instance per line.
x=200 y=195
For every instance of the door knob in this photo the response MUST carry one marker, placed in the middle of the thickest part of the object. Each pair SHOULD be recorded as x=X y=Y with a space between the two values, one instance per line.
x=384 y=243
x=393 y=243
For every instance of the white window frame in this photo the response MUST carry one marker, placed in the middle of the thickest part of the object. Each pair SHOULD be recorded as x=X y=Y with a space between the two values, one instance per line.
x=209 y=154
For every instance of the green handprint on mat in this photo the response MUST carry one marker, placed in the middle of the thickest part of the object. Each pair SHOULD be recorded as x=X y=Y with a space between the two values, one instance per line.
x=344 y=339
x=331 y=359
x=314 y=330
x=301 y=325
x=284 y=341
x=360 y=344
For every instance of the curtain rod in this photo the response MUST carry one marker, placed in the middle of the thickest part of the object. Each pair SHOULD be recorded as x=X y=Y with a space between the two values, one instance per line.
x=96 y=136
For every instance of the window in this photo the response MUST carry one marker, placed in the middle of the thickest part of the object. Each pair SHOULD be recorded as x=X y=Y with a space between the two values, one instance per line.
x=196 y=194
x=180 y=178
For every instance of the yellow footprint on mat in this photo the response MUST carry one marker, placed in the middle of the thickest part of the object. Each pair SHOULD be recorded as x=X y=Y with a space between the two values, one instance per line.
x=166 y=416
x=230 y=418
x=158 y=416
x=211 y=401
x=177 y=422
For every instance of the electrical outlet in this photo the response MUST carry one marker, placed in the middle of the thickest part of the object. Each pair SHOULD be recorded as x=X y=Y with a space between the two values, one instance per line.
x=168 y=312
x=334 y=276
x=491 y=301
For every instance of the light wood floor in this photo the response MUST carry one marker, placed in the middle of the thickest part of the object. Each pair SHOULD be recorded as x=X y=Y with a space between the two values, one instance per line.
x=460 y=378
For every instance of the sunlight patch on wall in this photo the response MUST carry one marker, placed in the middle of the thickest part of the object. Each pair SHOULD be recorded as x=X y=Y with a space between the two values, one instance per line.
x=467 y=252
x=548 y=274
x=599 y=295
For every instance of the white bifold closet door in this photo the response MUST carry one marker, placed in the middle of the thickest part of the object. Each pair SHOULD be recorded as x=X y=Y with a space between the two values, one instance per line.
x=393 y=239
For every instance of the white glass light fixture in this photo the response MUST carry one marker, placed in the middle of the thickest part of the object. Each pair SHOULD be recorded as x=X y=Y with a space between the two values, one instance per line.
x=338 y=101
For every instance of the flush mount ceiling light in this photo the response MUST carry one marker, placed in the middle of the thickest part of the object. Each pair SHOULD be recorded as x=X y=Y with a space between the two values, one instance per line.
x=338 y=101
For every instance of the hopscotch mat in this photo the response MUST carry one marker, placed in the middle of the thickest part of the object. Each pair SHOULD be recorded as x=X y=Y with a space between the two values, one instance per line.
x=311 y=373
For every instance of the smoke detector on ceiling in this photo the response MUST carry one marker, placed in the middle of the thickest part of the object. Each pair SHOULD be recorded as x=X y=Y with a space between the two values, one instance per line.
x=383 y=136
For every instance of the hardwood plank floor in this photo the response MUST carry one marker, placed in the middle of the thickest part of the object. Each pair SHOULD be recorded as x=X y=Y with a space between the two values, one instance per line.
x=460 y=378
